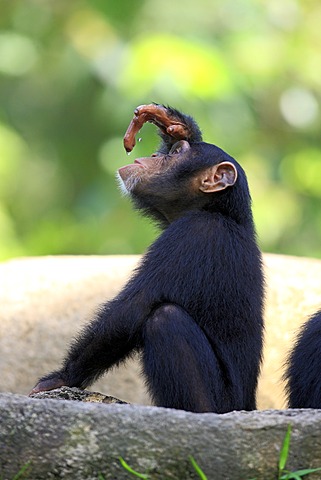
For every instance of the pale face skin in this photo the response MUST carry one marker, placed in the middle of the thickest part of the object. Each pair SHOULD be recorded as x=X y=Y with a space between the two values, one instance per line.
x=134 y=176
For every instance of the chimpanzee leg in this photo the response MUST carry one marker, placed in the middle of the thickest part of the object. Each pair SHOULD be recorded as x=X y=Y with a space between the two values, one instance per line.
x=180 y=366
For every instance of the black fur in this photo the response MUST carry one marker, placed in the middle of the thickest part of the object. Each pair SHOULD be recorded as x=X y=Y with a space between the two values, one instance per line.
x=193 y=308
x=194 y=132
x=303 y=374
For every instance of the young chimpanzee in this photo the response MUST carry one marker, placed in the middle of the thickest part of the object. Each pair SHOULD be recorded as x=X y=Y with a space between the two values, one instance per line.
x=193 y=308
x=303 y=375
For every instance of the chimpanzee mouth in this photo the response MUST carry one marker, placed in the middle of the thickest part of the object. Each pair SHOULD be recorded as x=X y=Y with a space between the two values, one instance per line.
x=128 y=166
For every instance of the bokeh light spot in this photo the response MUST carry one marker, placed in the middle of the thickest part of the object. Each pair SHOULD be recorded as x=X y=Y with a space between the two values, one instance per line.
x=18 y=54
x=188 y=67
x=299 y=107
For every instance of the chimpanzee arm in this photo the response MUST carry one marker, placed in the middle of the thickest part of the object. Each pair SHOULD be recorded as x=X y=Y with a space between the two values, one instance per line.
x=111 y=337
x=116 y=332
x=172 y=126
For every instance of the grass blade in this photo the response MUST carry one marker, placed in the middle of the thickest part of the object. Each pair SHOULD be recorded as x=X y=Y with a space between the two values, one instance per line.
x=22 y=471
x=285 y=450
x=130 y=470
x=307 y=471
x=197 y=469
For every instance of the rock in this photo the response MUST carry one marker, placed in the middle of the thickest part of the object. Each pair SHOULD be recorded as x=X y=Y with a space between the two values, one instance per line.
x=81 y=441
x=44 y=302
x=293 y=292
x=76 y=394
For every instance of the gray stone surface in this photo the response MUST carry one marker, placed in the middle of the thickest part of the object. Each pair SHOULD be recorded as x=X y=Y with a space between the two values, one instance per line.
x=79 y=441
x=44 y=301
x=78 y=395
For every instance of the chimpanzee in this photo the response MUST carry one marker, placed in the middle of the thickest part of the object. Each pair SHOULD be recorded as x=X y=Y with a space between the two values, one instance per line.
x=193 y=308
x=303 y=374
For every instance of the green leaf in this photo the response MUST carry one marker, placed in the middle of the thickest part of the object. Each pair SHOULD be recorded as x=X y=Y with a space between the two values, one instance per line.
x=22 y=471
x=307 y=471
x=130 y=470
x=298 y=474
x=289 y=476
x=197 y=468
x=285 y=450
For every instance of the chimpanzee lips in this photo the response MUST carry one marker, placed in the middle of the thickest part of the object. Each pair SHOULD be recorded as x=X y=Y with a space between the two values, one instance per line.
x=136 y=163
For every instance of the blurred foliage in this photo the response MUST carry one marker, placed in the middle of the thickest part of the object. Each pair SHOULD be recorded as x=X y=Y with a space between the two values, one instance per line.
x=71 y=74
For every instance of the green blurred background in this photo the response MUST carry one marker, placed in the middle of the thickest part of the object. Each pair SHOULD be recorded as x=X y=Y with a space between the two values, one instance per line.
x=71 y=74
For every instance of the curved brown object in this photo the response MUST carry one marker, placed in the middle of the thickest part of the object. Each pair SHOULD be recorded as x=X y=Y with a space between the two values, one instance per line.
x=159 y=116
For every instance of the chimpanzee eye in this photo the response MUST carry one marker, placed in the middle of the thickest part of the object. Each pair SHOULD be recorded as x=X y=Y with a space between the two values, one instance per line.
x=177 y=148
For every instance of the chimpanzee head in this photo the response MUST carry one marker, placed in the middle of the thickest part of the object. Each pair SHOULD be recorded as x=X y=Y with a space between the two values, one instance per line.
x=197 y=176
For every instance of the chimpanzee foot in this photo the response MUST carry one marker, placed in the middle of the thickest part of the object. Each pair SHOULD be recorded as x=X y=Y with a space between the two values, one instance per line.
x=162 y=117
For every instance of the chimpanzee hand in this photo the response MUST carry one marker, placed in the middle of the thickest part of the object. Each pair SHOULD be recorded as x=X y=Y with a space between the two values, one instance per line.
x=49 y=383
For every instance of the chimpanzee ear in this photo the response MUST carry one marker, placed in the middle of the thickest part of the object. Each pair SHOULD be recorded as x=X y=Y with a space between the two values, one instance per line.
x=218 y=177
